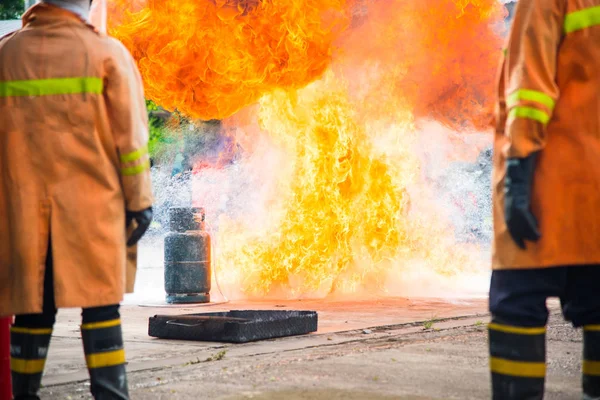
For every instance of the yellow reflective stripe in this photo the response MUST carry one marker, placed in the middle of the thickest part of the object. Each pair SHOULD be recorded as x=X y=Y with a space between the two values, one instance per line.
x=516 y=329
x=23 y=366
x=592 y=328
x=518 y=368
x=138 y=169
x=530 y=95
x=101 y=325
x=107 y=359
x=591 y=368
x=582 y=19
x=529 y=113
x=134 y=155
x=31 y=331
x=45 y=87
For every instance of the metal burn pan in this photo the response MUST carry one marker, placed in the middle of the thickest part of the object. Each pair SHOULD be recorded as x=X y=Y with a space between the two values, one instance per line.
x=234 y=326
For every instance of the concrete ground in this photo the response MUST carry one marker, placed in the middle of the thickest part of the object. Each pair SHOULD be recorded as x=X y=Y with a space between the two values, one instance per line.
x=415 y=349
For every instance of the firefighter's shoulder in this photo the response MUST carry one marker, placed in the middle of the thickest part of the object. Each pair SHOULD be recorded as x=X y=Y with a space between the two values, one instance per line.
x=108 y=45
x=8 y=36
x=117 y=50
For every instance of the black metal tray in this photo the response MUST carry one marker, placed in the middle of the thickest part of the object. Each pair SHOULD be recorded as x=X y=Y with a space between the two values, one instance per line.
x=238 y=326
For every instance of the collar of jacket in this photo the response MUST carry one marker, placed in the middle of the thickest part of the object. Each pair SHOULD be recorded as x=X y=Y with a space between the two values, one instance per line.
x=44 y=11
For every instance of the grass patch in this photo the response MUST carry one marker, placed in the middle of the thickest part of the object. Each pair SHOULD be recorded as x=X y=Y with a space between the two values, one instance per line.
x=427 y=325
x=217 y=357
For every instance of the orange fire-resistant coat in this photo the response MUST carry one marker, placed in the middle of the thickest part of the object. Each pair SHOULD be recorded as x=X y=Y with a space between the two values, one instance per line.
x=549 y=102
x=73 y=139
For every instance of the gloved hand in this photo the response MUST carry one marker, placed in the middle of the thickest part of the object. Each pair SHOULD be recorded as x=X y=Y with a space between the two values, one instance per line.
x=522 y=224
x=142 y=219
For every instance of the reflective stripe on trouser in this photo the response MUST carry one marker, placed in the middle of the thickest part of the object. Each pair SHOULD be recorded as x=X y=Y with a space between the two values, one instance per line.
x=105 y=358
x=517 y=361
x=28 y=351
x=591 y=361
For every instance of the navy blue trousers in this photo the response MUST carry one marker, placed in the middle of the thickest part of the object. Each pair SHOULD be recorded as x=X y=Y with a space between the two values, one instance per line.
x=518 y=297
x=47 y=317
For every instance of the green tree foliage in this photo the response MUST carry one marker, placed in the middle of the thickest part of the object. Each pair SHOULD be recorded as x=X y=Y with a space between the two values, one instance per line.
x=160 y=139
x=156 y=127
x=11 y=9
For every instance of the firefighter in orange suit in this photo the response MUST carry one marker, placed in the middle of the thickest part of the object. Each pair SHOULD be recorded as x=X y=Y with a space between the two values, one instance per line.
x=75 y=192
x=546 y=188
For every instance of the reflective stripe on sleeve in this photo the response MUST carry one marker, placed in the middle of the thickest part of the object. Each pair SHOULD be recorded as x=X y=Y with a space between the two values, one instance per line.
x=530 y=95
x=134 y=155
x=582 y=19
x=529 y=113
x=138 y=169
x=46 y=87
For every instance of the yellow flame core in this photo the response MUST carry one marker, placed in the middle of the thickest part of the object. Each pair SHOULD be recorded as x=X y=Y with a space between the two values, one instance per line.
x=342 y=201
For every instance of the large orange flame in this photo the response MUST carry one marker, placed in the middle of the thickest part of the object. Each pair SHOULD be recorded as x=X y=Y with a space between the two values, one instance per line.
x=340 y=218
x=437 y=56
x=209 y=58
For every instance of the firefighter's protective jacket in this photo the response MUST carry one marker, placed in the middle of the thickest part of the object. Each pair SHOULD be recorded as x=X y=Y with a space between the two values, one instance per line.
x=73 y=157
x=549 y=102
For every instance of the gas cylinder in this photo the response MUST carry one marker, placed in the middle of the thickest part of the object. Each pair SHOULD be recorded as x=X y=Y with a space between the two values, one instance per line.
x=187 y=257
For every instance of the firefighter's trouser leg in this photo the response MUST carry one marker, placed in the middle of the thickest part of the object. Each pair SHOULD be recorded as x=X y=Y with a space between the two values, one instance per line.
x=591 y=362
x=518 y=299
x=518 y=331
x=28 y=350
x=517 y=361
x=581 y=305
x=30 y=338
x=104 y=353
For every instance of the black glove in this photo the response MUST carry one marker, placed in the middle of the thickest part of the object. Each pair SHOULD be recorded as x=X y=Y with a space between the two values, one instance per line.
x=142 y=219
x=520 y=221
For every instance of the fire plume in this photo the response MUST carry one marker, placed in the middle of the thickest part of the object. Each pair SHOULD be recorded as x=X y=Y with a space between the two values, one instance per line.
x=341 y=204
x=342 y=87
x=209 y=58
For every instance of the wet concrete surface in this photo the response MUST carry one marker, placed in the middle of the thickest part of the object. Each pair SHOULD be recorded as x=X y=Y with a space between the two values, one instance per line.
x=422 y=359
x=66 y=362
x=325 y=394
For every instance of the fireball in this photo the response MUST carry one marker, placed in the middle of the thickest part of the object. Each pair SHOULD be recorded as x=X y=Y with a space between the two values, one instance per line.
x=341 y=87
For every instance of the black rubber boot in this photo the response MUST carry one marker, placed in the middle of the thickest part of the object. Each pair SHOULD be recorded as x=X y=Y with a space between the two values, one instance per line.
x=105 y=358
x=28 y=351
x=517 y=362
x=591 y=362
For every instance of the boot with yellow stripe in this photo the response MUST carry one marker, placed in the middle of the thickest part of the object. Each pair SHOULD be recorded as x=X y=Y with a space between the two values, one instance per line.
x=591 y=362
x=517 y=361
x=105 y=358
x=28 y=351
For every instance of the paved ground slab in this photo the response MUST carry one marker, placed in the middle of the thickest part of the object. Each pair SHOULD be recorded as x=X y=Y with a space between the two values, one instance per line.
x=422 y=359
x=66 y=362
